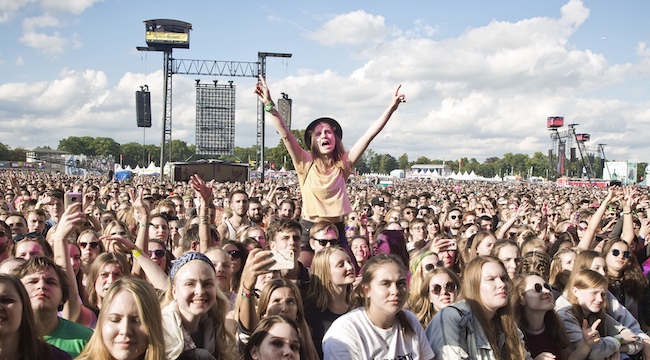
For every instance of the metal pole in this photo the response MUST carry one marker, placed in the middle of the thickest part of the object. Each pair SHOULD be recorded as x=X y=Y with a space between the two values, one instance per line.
x=166 y=101
x=260 y=108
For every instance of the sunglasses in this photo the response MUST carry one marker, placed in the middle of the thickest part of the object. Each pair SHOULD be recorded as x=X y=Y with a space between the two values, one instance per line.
x=454 y=217
x=3 y=233
x=157 y=253
x=120 y=233
x=235 y=254
x=450 y=287
x=93 y=244
x=409 y=213
x=617 y=252
x=31 y=235
x=324 y=242
x=429 y=267
x=539 y=287
x=350 y=228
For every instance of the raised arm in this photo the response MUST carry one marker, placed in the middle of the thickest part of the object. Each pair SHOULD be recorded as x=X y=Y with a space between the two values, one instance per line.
x=630 y=200
x=362 y=144
x=587 y=242
x=263 y=93
x=204 y=194
x=71 y=219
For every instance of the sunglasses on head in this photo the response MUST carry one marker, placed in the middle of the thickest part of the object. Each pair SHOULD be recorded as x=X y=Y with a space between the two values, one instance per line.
x=450 y=287
x=31 y=235
x=93 y=244
x=617 y=252
x=157 y=253
x=539 y=287
x=235 y=254
x=324 y=242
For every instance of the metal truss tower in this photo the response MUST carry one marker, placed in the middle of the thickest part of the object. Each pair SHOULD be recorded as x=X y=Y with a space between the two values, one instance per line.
x=163 y=35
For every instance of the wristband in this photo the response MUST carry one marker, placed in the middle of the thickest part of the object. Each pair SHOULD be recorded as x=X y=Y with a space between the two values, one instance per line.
x=245 y=295
x=619 y=338
x=144 y=224
x=136 y=253
x=269 y=107
x=627 y=212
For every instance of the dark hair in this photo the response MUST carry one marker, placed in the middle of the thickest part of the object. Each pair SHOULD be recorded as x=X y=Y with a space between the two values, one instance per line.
x=236 y=276
x=41 y=263
x=396 y=243
x=31 y=345
x=261 y=331
x=280 y=226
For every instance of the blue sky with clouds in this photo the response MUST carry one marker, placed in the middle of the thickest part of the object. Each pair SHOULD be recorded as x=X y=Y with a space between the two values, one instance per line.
x=480 y=77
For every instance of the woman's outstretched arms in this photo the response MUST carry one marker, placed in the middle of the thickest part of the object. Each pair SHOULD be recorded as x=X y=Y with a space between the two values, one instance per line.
x=362 y=144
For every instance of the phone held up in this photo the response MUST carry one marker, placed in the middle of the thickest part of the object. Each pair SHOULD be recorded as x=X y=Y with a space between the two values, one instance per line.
x=71 y=198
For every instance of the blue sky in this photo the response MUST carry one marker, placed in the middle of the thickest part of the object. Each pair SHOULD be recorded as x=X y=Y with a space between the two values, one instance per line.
x=480 y=77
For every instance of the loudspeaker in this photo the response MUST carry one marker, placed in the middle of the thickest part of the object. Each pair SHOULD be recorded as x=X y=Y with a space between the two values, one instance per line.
x=573 y=154
x=143 y=108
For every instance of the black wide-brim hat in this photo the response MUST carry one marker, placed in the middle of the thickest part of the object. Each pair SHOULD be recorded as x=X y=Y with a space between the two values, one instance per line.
x=331 y=122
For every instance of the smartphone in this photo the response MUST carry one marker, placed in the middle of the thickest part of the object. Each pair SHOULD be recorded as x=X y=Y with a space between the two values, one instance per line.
x=71 y=198
x=283 y=260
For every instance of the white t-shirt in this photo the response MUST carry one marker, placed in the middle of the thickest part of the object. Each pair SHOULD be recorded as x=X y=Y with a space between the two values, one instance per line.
x=354 y=336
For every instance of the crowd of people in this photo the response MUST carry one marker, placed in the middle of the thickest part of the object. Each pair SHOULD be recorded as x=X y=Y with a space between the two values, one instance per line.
x=330 y=267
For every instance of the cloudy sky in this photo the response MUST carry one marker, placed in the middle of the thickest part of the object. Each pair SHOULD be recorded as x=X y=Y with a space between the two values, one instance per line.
x=480 y=77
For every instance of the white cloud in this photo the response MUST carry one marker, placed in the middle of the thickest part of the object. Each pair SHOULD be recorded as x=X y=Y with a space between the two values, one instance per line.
x=19 y=61
x=482 y=93
x=352 y=28
x=47 y=44
x=72 y=6
x=9 y=7
x=46 y=20
x=642 y=49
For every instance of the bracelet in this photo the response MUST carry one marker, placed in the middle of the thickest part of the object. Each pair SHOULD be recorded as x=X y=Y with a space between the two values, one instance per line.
x=136 y=253
x=269 y=107
x=245 y=295
x=619 y=338
x=627 y=213
x=144 y=224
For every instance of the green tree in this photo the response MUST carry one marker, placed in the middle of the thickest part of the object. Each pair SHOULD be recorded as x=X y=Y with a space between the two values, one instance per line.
x=423 y=160
x=103 y=146
x=133 y=154
x=640 y=171
x=4 y=152
x=78 y=145
x=180 y=150
x=387 y=163
x=403 y=161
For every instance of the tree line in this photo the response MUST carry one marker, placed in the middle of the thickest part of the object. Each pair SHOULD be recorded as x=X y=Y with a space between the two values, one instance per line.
x=135 y=154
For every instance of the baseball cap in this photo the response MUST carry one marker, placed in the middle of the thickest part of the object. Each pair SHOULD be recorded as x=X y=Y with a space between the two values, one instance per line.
x=378 y=200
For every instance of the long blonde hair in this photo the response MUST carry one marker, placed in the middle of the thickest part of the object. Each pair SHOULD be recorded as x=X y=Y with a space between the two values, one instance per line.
x=224 y=339
x=149 y=315
x=503 y=321
x=419 y=302
x=321 y=286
